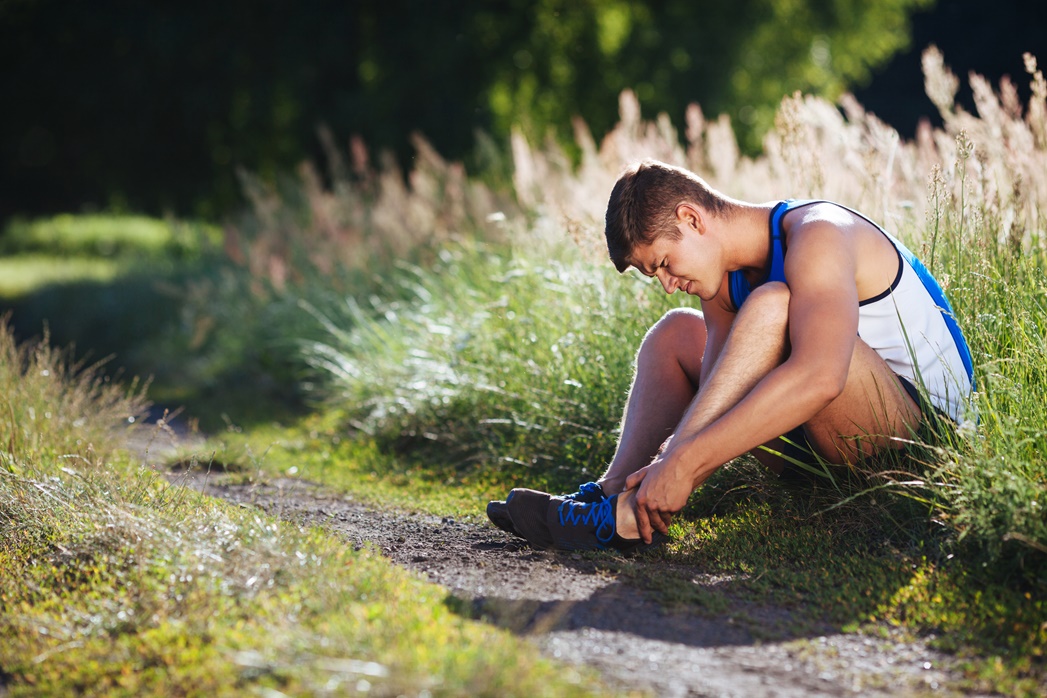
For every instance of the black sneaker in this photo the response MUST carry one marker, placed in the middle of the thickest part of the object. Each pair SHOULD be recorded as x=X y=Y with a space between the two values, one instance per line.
x=498 y=512
x=547 y=521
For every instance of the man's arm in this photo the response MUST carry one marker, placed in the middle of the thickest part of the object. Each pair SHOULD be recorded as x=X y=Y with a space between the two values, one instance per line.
x=751 y=395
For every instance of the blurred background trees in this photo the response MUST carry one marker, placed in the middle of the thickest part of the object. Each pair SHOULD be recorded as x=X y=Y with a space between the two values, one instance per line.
x=152 y=107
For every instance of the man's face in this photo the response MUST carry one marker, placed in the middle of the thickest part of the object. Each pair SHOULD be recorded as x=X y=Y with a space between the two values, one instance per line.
x=688 y=264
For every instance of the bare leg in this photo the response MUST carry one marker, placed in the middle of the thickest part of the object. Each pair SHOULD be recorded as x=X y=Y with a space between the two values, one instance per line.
x=865 y=417
x=667 y=369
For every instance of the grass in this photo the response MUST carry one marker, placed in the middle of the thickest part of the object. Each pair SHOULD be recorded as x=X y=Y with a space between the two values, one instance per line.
x=520 y=362
x=26 y=274
x=744 y=546
x=114 y=582
x=128 y=289
x=107 y=236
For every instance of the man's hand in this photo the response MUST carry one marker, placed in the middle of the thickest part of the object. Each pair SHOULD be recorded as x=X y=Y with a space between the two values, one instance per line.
x=664 y=487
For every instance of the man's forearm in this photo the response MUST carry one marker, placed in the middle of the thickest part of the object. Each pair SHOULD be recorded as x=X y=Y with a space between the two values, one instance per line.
x=784 y=399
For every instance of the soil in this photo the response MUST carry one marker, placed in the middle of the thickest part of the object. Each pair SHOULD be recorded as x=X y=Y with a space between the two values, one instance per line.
x=579 y=610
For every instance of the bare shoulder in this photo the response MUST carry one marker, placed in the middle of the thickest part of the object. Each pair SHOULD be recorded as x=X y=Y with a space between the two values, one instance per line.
x=825 y=233
x=823 y=216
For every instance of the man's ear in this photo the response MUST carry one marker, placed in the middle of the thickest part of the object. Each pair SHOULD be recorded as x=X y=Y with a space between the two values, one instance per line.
x=691 y=216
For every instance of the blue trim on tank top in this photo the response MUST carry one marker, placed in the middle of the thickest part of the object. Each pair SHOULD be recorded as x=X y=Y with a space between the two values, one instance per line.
x=938 y=296
x=738 y=285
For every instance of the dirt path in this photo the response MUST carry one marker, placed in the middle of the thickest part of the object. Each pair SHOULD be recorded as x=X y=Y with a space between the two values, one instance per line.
x=577 y=611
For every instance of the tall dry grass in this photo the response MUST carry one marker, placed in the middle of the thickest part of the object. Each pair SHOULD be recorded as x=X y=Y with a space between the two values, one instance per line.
x=54 y=407
x=991 y=165
x=358 y=214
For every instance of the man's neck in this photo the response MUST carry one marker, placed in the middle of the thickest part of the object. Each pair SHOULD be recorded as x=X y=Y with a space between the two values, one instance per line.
x=748 y=239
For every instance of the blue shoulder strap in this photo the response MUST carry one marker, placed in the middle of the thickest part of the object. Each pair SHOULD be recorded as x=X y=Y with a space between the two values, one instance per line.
x=738 y=286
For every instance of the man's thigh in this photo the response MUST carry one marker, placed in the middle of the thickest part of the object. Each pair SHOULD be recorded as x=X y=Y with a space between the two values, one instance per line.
x=873 y=412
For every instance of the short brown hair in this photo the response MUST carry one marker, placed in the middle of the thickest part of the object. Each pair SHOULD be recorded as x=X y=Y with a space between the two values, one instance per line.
x=642 y=207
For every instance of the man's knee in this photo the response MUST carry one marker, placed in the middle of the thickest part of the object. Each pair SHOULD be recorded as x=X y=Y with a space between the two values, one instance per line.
x=678 y=328
x=770 y=301
x=677 y=339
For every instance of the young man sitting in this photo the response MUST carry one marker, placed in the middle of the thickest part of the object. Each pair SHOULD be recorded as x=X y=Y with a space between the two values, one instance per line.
x=817 y=328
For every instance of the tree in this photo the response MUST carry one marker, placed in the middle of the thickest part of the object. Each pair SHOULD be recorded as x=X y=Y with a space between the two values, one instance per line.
x=738 y=58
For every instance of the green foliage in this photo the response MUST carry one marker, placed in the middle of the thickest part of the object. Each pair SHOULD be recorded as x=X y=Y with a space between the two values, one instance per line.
x=95 y=248
x=109 y=286
x=22 y=276
x=819 y=48
x=95 y=235
x=736 y=58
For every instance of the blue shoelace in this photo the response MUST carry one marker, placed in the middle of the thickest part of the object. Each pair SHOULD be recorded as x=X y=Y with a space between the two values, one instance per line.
x=587 y=489
x=599 y=515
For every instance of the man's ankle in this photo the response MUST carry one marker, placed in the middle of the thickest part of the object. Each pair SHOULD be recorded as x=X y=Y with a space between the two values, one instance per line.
x=625 y=516
x=611 y=487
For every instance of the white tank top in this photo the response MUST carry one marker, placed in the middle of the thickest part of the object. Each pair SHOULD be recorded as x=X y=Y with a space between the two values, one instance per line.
x=912 y=327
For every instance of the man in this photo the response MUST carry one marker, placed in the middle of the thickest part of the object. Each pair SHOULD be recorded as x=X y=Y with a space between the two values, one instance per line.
x=817 y=329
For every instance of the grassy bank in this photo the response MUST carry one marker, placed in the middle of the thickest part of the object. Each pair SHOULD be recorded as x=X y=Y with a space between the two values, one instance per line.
x=128 y=290
x=114 y=582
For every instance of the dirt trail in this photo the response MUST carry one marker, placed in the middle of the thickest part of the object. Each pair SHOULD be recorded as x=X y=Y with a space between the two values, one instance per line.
x=577 y=611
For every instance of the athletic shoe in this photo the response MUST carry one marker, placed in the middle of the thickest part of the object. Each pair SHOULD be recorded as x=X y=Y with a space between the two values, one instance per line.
x=498 y=512
x=547 y=521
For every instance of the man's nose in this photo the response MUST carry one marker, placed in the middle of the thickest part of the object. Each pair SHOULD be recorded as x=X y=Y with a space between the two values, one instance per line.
x=668 y=281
